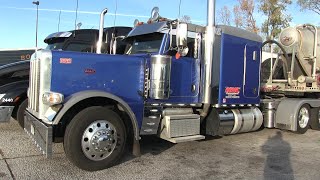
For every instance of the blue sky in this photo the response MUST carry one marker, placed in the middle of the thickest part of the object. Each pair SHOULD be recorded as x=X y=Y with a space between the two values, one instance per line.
x=17 y=17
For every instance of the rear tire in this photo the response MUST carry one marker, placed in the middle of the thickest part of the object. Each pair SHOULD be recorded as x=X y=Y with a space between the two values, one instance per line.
x=21 y=112
x=95 y=139
x=315 y=118
x=303 y=119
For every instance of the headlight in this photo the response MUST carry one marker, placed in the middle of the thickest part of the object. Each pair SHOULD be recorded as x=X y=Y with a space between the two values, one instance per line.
x=52 y=98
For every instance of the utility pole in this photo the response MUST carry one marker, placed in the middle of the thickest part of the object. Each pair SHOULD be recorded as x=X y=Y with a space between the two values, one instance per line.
x=37 y=4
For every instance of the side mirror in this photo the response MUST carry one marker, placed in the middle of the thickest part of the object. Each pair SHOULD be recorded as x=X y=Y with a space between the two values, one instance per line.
x=155 y=14
x=114 y=44
x=136 y=22
x=182 y=35
x=182 y=39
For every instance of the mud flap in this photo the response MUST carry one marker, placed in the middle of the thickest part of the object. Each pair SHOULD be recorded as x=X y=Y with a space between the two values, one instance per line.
x=315 y=123
x=5 y=113
x=40 y=133
x=212 y=124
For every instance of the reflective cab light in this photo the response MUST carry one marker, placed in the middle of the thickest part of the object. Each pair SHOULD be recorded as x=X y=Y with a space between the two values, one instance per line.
x=52 y=98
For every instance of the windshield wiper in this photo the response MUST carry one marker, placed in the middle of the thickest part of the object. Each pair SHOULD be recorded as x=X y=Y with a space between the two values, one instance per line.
x=141 y=51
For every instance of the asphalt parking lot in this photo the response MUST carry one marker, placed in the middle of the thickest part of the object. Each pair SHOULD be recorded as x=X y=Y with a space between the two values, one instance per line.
x=266 y=154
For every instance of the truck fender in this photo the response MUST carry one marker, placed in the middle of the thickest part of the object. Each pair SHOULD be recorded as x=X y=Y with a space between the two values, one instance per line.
x=287 y=111
x=12 y=91
x=77 y=97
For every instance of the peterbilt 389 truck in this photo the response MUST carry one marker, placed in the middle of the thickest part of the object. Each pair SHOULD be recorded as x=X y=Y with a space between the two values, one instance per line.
x=178 y=81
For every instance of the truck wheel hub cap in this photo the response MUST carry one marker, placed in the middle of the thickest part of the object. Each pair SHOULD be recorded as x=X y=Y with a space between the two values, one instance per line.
x=303 y=117
x=99 y=140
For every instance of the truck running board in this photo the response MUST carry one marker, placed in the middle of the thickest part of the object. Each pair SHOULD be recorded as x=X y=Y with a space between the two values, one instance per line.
x=185 y=138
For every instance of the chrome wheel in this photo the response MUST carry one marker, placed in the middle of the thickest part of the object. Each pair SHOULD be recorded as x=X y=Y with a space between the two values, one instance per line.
x=99 y=140
x=303 y=117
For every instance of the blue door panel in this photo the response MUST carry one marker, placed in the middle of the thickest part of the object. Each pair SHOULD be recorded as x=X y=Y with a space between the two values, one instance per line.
x=252 y=68
x=185 y=72
x=236 y=86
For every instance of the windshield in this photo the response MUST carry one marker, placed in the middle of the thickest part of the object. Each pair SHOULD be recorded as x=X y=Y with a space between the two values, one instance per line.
x=54 y=46
x=148 y=43
x=55 y=43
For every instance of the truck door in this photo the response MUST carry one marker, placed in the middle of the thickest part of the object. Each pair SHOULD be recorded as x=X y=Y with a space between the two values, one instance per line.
x=185 y=76
x=251 y=69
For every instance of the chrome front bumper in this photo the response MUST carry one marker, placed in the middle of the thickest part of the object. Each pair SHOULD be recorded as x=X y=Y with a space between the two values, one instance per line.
x=5 y=113
x=40 y=133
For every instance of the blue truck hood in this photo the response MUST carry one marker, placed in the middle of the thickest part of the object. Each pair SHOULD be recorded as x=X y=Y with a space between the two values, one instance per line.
x=121 y=75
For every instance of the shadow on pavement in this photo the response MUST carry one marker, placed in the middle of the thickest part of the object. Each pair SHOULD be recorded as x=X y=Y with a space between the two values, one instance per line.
x=149 y=145
x=277 y=164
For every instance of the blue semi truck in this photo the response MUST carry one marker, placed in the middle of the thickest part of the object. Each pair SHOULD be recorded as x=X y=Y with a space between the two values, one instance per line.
x=178 y=81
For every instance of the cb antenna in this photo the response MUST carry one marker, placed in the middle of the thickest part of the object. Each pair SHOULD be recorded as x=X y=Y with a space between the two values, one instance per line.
x=59 y=20
x=179 y=9
x=113 y=35
x=75 y=21
x=115 y=17
x=37 y=4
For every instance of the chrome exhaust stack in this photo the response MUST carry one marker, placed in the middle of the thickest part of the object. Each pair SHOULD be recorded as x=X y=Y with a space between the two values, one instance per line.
x=208 y=54
x=99 y=43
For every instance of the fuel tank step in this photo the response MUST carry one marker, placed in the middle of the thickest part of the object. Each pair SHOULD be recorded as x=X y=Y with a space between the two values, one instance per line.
x=181 y=128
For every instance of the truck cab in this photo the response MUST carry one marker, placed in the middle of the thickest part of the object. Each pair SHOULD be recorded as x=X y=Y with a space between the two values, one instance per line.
x=177 y=81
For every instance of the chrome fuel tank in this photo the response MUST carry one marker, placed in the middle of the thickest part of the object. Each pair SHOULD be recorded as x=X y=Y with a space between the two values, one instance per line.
x=160 y=73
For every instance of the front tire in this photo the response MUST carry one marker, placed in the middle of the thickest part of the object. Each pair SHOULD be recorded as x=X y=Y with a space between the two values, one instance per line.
x=303 y=119
x=21 y=112
x=95 y=139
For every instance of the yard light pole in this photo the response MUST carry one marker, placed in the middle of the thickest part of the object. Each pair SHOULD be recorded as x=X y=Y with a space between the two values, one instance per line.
x=37 y=4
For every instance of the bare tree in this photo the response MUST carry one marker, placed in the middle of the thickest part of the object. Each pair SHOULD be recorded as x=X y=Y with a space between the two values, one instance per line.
x=185 y=18
x=312 y=5
x=238 y=18
x=225 y=15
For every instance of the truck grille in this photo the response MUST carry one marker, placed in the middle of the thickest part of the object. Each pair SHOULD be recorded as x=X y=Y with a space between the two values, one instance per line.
x=34 y=84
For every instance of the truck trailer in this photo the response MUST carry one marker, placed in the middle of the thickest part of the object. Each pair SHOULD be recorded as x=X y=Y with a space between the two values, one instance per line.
x=178 y=81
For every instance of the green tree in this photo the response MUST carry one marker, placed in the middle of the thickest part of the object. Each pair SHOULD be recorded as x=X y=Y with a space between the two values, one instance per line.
x=312 y=5
x=243 y=15
x=247 y=8
x=276 y=17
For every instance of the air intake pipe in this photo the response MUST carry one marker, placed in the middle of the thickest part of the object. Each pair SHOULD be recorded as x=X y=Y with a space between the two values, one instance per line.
x=99 y=43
